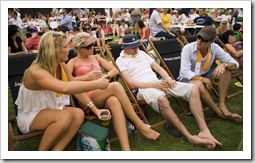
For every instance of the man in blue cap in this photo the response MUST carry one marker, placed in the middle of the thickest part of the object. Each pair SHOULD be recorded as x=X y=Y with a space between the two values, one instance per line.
x=138 y=68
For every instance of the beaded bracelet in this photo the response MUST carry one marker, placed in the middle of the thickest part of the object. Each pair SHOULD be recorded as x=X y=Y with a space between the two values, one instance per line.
x=90 y=104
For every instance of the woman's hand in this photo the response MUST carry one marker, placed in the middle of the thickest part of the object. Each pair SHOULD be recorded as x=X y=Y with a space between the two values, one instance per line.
x=100 y=111
x=103 y=82
x=94 y=75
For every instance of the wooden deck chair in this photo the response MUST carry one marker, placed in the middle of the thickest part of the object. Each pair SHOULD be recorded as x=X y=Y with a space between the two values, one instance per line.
x=114 y=54
x=188 y=39
x=170 y=58
x=169 y=53
x=16 y=67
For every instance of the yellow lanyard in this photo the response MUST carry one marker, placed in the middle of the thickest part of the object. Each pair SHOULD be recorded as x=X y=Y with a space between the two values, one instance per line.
x=133 y=55
x=64 y=79
x=199 y=60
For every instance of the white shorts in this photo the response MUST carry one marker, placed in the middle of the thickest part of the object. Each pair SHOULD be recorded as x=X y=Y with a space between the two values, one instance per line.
x=151 y=95
x=24 y=120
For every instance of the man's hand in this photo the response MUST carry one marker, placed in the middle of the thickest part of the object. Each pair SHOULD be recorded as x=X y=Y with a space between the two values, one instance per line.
x=207 y=82
x=218 y=71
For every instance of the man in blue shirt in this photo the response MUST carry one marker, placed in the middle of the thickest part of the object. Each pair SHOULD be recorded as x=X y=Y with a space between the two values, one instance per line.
x=203 y=19
x=66 y=21
x=198 y=67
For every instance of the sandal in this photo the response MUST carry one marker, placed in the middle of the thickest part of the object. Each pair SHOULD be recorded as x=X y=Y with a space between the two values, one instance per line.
x=171 y=129
x=239 y=84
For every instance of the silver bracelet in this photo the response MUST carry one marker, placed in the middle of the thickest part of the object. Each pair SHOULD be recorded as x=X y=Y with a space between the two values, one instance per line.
x=90 y=104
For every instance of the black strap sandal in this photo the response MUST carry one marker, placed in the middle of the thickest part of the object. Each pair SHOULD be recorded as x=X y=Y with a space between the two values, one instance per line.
x=171 y=129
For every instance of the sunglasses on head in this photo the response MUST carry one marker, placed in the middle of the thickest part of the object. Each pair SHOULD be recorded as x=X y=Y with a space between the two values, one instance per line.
x=200 y=38
x=88 y=47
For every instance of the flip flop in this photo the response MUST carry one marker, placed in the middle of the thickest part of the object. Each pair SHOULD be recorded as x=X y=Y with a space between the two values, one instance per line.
x=239 y=84
x=171 y=129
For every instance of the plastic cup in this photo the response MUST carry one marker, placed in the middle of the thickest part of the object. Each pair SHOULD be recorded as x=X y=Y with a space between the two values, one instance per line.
x=215 y=81
x=105 y=119
x=166 y=85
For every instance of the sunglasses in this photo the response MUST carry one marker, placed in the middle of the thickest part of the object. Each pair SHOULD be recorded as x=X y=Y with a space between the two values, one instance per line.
x=88 y=47
x=87 y=29
x=200 y=38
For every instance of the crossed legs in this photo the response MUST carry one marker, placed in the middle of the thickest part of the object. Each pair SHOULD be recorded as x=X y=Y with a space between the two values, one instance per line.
x=122 y=103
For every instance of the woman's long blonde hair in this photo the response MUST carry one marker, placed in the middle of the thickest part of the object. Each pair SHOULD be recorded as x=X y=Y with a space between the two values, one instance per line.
x=49 y=50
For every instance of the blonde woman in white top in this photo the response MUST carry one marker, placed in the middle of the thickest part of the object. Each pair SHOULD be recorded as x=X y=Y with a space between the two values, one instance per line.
x=44 y=95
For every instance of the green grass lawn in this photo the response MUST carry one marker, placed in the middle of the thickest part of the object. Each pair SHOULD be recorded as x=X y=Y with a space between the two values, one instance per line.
x=228 y=132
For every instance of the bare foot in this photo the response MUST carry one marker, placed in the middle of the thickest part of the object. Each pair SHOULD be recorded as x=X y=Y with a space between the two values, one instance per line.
x=202 y=142
x=204 y=135
x=148 y=132
x=229 y=115
x=234 y=117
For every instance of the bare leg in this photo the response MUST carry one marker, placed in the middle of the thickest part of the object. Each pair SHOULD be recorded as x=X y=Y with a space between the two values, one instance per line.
x=170 y=116
x=78 y=118
x=116 y=89
x=223 y=88
x=103 y=43
x=118 y=119
x=196 y=109
x=59 y=128
x=206 y=97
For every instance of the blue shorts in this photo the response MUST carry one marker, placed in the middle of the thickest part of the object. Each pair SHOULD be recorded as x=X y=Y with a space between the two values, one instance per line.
x=208 y=75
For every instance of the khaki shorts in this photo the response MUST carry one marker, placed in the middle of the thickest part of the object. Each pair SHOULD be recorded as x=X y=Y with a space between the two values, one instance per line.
x=151 y=95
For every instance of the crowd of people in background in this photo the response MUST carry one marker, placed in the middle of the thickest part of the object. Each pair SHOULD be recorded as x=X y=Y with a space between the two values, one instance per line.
x=82 y=29
x=120 y=21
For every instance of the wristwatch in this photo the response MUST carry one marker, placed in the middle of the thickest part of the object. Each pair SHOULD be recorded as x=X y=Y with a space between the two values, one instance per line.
x=226 y=65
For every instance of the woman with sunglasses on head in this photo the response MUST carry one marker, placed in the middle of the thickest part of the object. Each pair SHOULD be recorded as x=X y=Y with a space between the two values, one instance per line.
x=43 y=100
x=223 y=27
x=87 y=67
x=198 y=67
